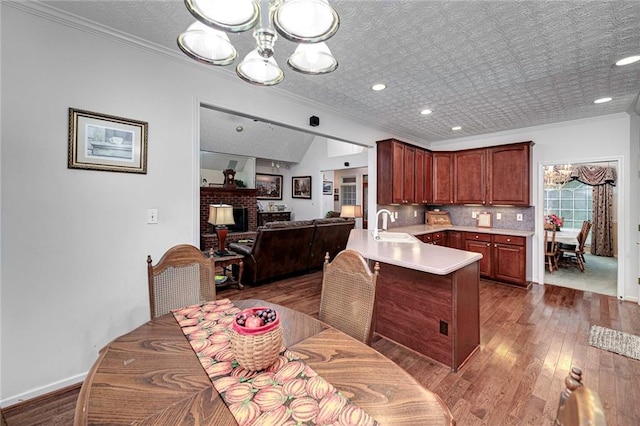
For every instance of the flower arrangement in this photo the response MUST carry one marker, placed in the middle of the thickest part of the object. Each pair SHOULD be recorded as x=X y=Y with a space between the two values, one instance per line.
x=553 y=219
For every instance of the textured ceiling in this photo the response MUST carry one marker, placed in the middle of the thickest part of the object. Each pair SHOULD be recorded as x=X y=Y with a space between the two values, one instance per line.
x=487 y=66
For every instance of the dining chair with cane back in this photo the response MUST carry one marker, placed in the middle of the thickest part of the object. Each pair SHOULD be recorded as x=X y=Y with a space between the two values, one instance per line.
x=348 y=294
x=579 y=405
x=183 y=276
x=550 y=250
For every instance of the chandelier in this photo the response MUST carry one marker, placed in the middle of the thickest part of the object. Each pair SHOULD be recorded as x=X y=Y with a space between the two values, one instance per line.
x=556 y=176
x=306 y=22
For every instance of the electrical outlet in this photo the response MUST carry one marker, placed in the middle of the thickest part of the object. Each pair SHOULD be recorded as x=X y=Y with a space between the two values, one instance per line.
x=415 y=213
x=152 y=216
x=444 y=328
x=395 y=214
x=519 y=217
x=499 y=216
x=474 y=215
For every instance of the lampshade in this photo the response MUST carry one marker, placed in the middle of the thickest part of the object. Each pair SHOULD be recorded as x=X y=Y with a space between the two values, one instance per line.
x=351 y=211
x=227 y=15
x=259 y=70
x=221 y=214
x=312 y=59
x=308 y=21
x=207 y=45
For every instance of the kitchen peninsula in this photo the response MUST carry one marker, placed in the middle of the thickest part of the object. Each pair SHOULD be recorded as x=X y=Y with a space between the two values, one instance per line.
x=427 y=297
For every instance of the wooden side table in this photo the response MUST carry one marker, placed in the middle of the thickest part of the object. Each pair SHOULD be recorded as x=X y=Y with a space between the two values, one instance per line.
x=225 y=262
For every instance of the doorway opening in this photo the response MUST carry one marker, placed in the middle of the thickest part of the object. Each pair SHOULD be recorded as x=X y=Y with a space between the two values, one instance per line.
x=586 y=256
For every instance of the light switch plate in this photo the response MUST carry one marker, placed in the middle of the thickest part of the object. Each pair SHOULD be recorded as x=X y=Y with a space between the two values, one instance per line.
x=152 y=216
x=519 y=217
x=498 y=216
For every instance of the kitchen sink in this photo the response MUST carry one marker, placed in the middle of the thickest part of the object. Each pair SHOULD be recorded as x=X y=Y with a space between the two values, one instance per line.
x=396 y=237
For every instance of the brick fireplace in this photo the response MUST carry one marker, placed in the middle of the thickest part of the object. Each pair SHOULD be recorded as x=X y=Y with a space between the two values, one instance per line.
x=241 y=197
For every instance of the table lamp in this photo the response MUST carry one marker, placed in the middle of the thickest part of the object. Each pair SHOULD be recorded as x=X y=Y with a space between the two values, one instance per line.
x=221 y=215
x=351 y=211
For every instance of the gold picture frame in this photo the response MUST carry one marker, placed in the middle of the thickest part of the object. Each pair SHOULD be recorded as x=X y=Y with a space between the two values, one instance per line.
x=106 y=142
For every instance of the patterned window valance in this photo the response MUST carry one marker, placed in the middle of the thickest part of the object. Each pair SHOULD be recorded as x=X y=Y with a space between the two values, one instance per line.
x=594 y=175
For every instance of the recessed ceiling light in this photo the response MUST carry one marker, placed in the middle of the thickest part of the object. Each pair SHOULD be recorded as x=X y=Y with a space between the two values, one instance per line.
x=628 y=60
x=456 y=128
x=378 y=87
x=602 y=100
x=426 y=112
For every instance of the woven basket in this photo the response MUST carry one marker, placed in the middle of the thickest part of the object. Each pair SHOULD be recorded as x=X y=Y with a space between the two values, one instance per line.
x=257 y=351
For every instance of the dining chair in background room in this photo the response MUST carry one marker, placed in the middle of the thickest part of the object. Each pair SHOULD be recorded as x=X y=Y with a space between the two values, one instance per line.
x=184 y=276
x=579 y=405
x=574 y=253
x=348 y=294
x=550 y=250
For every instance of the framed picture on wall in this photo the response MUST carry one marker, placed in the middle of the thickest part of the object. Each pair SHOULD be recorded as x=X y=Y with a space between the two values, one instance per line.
x=106 y=142
x=268 y=187
x=327 y=187
x=301 y=187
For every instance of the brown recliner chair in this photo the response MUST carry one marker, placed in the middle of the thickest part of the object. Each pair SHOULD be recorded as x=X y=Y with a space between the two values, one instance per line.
x=279 y=249
x=331 y=236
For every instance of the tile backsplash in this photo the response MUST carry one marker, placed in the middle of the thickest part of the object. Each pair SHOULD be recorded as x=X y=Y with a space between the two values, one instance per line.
x=462 y=216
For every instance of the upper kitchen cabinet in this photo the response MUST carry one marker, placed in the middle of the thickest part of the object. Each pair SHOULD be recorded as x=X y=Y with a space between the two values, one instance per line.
x=395 y=172
x=422 y=172
x=470 y=171
x=509 y=174
x=442 y=178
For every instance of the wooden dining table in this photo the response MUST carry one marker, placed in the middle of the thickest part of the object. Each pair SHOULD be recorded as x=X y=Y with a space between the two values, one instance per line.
x=151 y=376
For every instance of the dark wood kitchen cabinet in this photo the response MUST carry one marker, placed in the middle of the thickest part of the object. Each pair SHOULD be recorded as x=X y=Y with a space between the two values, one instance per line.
x=454 y=240
x=504 y=257
x=442 y=178
x=509 y=174
x=470 y=176
x=436 y=238
x=422 y=173
x=395 y=170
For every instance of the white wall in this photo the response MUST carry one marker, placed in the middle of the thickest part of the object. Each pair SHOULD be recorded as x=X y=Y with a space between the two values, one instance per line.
x=313 y=164
x=599 y=139
x=74 y=242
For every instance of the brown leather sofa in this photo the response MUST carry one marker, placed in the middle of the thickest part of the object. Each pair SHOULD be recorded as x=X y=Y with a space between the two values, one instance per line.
x=287 y=248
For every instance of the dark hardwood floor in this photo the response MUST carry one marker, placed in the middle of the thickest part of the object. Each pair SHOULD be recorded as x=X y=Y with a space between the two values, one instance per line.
x=529 y=340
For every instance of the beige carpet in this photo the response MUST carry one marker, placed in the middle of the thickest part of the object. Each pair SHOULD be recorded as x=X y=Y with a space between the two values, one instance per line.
x=615 y=341
x=600 y=276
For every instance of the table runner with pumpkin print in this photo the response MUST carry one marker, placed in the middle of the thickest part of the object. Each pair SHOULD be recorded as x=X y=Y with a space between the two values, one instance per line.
x=289 y=392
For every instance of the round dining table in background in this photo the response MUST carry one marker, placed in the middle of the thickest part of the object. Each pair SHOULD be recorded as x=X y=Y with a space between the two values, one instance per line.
x=152 y=376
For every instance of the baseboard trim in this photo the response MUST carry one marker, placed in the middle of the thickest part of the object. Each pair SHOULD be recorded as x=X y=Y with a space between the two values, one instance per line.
x=43 y=392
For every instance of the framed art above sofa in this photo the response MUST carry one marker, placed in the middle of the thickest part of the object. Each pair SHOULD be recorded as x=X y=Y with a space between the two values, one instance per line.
x=301 y=187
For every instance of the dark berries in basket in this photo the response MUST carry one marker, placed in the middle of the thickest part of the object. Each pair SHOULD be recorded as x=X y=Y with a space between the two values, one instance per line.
x=256 y=319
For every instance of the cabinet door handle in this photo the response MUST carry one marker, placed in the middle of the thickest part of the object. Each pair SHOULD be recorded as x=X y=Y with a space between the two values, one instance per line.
x=488 y=245
x=508 y=240
x=495 y=245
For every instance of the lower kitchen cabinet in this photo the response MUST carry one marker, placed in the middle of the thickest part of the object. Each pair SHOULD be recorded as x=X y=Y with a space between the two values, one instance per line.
x=435 y=238
x=454 y=240
x=504 y=257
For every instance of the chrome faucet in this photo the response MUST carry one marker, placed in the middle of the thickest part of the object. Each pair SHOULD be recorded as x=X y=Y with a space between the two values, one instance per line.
x=376 y=230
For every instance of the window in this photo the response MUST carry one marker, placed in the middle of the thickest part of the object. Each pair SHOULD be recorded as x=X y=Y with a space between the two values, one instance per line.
x=348 y=195
x=572 y=202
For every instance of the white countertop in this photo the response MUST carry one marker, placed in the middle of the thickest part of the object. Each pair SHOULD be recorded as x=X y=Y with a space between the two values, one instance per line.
x=427 y=229
x=429 y=258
